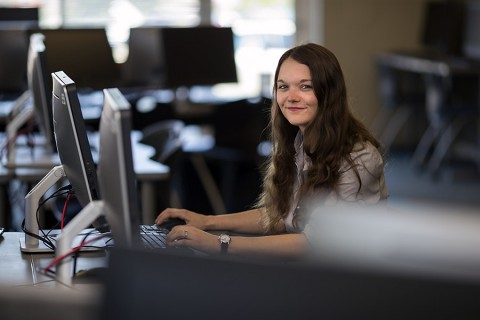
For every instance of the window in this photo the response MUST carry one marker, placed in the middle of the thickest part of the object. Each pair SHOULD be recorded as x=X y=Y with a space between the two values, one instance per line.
x=263 y=29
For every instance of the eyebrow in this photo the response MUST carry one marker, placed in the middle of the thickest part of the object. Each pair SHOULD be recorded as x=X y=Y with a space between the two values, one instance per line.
x=301 y=81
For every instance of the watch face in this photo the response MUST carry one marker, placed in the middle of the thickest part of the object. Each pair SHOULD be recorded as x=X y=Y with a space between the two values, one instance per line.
x=224 y=238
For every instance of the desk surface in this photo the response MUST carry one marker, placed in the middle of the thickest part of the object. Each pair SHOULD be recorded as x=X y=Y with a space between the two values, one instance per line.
x=423 y=62
x=25 y=293
x=33 y=164
x=23 y=269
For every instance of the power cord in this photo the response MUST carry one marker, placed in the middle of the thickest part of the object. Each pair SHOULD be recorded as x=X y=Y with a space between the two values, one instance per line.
x=45 y=237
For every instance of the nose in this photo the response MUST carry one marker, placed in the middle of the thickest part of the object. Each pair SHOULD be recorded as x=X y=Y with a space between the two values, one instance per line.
x=293 y=96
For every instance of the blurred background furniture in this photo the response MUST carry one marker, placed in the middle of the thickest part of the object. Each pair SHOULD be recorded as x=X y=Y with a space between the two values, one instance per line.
x=166 y=138
x=450 y=100
x=439 y=82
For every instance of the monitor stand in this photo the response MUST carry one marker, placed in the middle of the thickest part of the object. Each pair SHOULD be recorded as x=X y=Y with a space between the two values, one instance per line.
x=32 y=199
x=65 y=240
x=17 y=157
x=22 y=112
x=33 y=245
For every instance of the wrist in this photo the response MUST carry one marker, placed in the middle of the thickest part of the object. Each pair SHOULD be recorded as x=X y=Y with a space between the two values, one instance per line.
x=211 y=222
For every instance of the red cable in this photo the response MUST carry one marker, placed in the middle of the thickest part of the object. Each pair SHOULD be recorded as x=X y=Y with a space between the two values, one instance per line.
x=65 y=210
x=73 y=250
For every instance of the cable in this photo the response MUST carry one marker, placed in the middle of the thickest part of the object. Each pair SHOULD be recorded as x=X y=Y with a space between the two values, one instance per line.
x=45 y=238
x=65 y=210
x=57 y=260
x=75 y=255
x=61 y=191
x=12 y=140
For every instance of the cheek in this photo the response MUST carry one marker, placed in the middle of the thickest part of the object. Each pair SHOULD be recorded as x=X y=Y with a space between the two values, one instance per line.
x=312 y=100
x=280 y=99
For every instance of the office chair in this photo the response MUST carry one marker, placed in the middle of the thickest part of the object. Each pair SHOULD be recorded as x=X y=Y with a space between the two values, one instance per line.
x=148 y=111
x=451 y=104
x=166 y=138
x=239 y=129
x=402 y=96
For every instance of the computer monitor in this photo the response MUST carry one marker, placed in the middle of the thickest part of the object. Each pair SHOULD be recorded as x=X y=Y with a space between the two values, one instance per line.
x=84 y=54
x=117 y=179
x=116 y=172
x=199 y=56
x=40 y=88
x=145 y=65
x=72 y=143
x=13 y=61
x=12 y=17
x=76 y=159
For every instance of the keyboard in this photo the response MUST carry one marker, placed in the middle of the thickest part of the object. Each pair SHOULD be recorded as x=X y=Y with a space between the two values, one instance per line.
x=153 y=237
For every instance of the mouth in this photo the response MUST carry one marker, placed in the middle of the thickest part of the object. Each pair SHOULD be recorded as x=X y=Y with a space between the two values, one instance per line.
x=295 y=109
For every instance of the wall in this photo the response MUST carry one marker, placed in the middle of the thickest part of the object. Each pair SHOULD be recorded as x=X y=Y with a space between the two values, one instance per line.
x=355 y=30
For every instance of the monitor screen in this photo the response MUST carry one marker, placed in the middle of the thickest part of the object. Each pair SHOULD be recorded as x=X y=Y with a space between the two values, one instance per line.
x=72 y=142
x=116 y=172
x=145 y=65
x=84 y=54
x=13 y=61
x=199 y=56
x=40 y=88
x=19 y=17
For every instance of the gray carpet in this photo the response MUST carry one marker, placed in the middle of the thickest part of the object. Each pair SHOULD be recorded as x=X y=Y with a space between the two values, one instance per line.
x=457 y=184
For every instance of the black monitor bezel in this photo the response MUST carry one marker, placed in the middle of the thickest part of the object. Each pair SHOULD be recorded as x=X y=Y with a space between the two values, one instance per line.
x=84 y=54
x=198 y=56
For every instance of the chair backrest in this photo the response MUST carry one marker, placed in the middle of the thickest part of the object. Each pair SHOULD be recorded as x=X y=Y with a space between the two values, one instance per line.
x=165 y=137
x=241 y=125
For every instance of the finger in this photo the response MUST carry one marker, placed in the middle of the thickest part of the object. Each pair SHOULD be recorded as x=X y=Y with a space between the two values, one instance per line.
x=178 y=243
x=164 y=215
x=179 y=239
x=178 y=233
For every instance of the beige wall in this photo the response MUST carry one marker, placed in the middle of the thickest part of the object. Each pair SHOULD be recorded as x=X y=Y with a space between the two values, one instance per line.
x=355 y=30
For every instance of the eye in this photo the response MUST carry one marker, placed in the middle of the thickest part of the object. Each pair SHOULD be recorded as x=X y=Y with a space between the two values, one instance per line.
x=282 y=86
x=307 y=87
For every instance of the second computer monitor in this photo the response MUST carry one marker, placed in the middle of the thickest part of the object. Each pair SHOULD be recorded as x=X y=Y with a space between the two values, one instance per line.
x=116 y=171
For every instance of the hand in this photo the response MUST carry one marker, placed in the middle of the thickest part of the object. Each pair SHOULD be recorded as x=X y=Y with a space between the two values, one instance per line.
x=188 y=236
x=191 y=218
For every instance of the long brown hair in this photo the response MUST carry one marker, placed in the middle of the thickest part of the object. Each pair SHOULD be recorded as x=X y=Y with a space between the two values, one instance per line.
x=328 y=140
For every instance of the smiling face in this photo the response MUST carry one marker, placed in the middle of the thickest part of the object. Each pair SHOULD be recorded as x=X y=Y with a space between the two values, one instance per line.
x=295 y=95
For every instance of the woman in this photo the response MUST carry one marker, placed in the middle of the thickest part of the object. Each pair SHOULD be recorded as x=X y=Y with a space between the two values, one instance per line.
x=320 y=151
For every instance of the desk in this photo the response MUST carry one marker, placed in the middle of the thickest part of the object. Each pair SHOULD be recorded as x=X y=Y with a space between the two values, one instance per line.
x=440 y=74
x=22 y=269
x=32 y=169
x=25 y=293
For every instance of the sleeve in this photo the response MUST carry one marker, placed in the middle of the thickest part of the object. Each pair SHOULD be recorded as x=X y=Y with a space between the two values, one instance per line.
x=370 y=167
x=373 y=190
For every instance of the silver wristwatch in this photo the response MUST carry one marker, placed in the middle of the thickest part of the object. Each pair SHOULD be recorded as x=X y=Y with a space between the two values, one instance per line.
x=224 y=242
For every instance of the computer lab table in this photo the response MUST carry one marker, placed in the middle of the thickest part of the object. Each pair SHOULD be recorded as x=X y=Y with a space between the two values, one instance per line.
x=27 y=293
x=31 y=165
